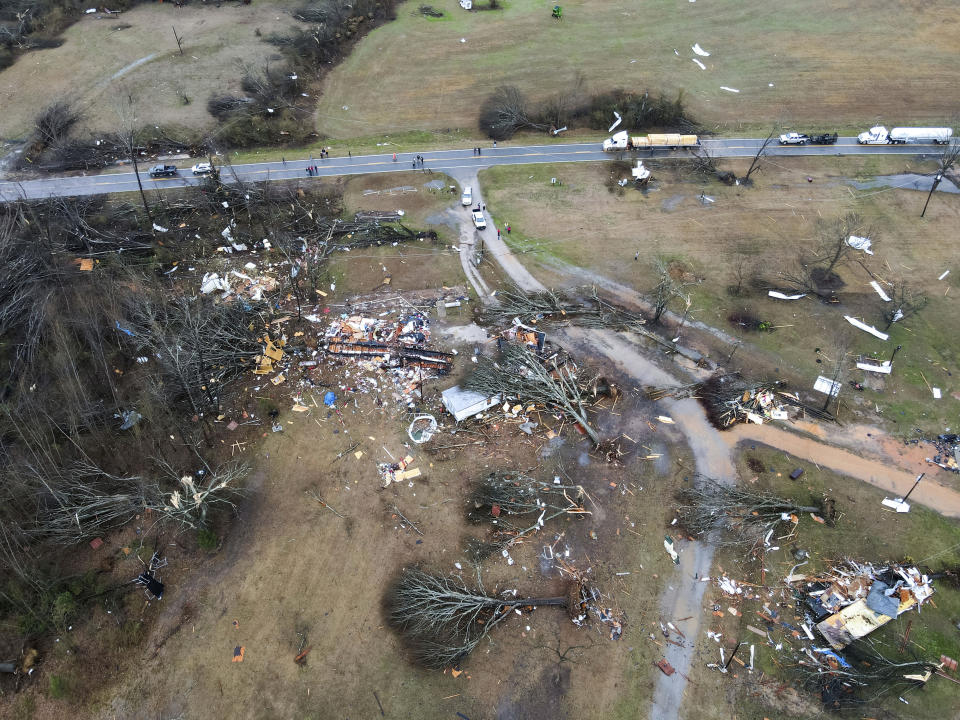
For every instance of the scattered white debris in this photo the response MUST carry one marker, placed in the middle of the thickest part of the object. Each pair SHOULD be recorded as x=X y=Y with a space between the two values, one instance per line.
x=463 y=40
x=616 y=122
x=936 y=393
x=884 y=368
x=729 y=89
x=866 y=328
x=676 y=53
x=700 y=51
x=89 y=11
x=899 y=505
x=827 y=386
x=665 y=419
x=943 y=274
x=702 y=66
x=860 y=243
x=781 y=296
x=159 y=228
x=876 y=286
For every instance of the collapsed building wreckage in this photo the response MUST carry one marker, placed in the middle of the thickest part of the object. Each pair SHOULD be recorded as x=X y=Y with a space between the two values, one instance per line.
x=818 y=622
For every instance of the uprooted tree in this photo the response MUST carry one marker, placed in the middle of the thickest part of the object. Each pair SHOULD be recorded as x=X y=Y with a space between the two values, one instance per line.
x=441 y=619
x=504 y=496
x=728 y=515
x=865 y=676
x=556 y=383
x=506 y=112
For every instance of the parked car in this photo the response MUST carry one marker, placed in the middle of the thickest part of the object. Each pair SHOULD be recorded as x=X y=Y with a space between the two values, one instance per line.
x=478 y=220
x=163 y=171
x=202 y=168
x=467 y=197
x=794 y=139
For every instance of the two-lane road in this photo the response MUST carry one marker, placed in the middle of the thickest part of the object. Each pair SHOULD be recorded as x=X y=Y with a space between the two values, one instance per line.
x=439 y=160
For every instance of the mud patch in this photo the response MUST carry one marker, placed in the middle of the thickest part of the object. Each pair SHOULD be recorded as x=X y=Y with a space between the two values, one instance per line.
x=672 y=202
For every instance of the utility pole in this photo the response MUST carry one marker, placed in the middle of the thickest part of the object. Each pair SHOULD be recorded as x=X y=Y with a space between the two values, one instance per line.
x=136 y=172
x=915 y=483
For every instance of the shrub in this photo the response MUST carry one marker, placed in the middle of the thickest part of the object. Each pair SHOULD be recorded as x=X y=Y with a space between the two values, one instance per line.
x=64 y=608
x=59 y=687
x=207 y=539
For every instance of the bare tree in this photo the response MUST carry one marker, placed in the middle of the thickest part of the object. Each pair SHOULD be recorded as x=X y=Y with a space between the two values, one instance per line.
x=835 y=235
x=729 y=515
x=761 y=153
x=840 y=347
x=127 y=137
x=741 y=263
x=199 y=345
x=441 y=619
x=506 y=112
x=521 y=374
x=666 y=290
x=945 y=164
x=907 y=301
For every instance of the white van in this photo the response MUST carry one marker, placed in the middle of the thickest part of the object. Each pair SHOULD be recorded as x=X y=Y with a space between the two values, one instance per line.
x=467 y=197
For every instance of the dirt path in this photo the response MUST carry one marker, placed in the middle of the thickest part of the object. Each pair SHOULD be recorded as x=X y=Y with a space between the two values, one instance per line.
x=496 y=246
x=882 y=473
x=684 y=595
x=712 y=456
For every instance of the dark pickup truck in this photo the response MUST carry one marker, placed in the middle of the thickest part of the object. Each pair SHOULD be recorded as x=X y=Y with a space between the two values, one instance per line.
x=823 y=139
x=163 y=171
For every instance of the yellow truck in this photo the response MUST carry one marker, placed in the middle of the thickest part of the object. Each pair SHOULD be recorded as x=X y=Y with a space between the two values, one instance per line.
x=670 y=141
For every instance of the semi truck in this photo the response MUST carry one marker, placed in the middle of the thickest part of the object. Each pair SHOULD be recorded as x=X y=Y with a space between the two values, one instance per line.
x=672 y=141
x=879 y=136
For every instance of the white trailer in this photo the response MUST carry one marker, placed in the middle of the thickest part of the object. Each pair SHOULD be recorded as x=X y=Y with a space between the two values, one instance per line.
x=879 y=136
x=938 y=136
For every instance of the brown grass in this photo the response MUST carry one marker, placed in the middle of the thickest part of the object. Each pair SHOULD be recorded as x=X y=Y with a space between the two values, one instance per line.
x=92 y=66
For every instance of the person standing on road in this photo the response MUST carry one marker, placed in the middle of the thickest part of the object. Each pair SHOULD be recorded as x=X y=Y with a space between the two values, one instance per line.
x=494 y=143
x=394 y=157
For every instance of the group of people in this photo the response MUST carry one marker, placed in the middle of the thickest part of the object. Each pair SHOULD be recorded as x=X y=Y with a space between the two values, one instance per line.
x=417 y=161
x=312 y=170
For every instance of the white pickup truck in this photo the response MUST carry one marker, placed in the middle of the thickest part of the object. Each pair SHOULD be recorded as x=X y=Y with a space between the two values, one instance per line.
x=879 y=136
x=794 y=139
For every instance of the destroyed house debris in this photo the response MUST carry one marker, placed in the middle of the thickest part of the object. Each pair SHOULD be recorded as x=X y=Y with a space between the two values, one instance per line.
x=396 y=343
x=852 y=601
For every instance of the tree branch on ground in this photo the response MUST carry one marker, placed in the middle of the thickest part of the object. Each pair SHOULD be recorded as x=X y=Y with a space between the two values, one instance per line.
x=728 y=515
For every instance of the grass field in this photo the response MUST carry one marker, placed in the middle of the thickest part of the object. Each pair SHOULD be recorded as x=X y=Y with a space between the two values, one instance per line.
x=582 y=224
x=102 y=56
x=863 y=533
x=831 y=64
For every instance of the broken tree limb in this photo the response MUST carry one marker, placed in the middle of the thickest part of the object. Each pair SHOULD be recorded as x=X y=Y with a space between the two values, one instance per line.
x=323 y=503
x=409 y=522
